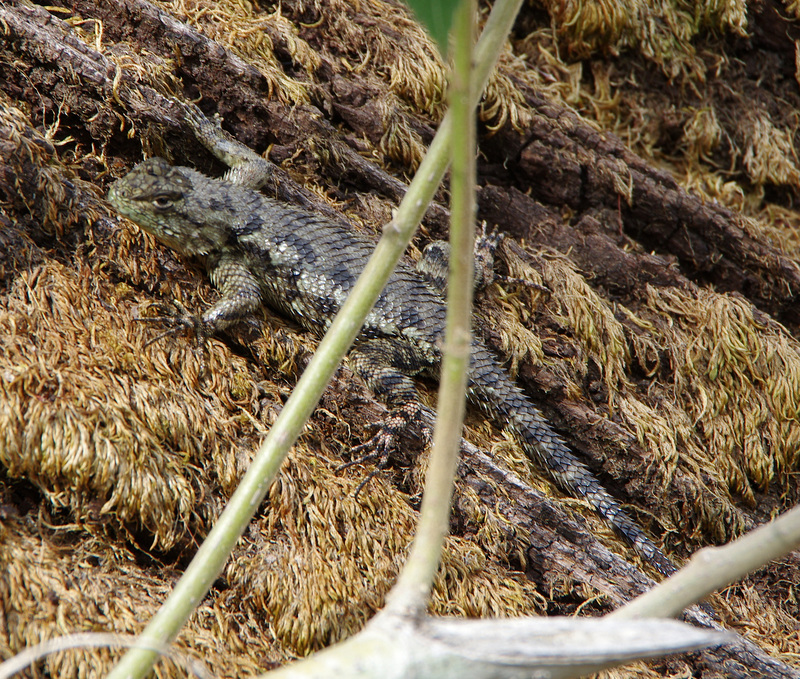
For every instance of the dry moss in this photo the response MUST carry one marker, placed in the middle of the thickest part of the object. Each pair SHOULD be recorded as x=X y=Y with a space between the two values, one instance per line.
x=502 y=101
x=400 y=142
x=782 y=226
x=770 y=156
x=739 y=382
x=250 y=34
x=585 y=315
x=60 y=583
x=660 y=30
x=94 y=427
x=743 y=607
x=382 y=38
x=320 y=562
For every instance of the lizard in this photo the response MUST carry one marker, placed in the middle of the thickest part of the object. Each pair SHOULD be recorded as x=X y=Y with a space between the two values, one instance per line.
x=258 y=250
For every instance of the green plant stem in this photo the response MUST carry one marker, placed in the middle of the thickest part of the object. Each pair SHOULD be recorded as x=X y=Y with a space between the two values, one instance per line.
x=713 y=568
x=213 y=553
x=410 y=594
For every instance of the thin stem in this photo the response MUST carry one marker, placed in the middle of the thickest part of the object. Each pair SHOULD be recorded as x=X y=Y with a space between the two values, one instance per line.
x=712 y=568
x=410 y=594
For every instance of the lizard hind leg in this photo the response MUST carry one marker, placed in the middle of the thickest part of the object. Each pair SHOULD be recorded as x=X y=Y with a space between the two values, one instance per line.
x=386 y=366
x=435 y=260
x=434 y=263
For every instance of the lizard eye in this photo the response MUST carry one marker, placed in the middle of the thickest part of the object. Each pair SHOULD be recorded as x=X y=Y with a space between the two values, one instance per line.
x=162 y=202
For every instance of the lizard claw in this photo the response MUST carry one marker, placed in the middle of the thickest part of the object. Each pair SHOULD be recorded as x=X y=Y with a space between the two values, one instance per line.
x=380 y=450
x=178 y=318
x=381 y=445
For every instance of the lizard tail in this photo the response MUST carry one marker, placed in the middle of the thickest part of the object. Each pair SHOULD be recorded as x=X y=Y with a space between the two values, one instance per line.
x=495 y=392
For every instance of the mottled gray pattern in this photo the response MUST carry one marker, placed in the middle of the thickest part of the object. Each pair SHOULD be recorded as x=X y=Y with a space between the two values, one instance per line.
x=259 y=250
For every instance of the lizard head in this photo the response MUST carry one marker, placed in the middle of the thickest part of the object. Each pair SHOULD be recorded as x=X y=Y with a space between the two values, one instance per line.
x=153 y=195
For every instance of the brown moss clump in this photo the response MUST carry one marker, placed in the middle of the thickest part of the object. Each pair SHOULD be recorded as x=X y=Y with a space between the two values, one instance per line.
x=661 y=31
x=62 y=582
x=738 y=380
x=252 y=36
x=317 y=550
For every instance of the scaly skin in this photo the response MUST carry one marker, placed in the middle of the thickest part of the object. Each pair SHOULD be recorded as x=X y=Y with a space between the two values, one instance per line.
x=258 y=250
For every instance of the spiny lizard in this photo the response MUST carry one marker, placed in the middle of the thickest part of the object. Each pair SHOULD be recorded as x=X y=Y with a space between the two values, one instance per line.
x=258 y=250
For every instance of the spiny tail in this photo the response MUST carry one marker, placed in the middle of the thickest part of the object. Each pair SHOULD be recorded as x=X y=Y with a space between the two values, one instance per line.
x=494 y=391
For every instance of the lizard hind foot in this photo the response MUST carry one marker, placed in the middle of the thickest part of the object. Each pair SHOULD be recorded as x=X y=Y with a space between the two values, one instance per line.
x=404 y=422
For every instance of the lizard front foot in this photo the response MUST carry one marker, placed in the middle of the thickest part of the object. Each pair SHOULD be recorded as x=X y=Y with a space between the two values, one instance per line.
x=177 y=319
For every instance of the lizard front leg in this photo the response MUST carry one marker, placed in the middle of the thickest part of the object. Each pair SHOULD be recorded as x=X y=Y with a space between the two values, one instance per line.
x=240 y=296
x=246 y=167
x=240 y=290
